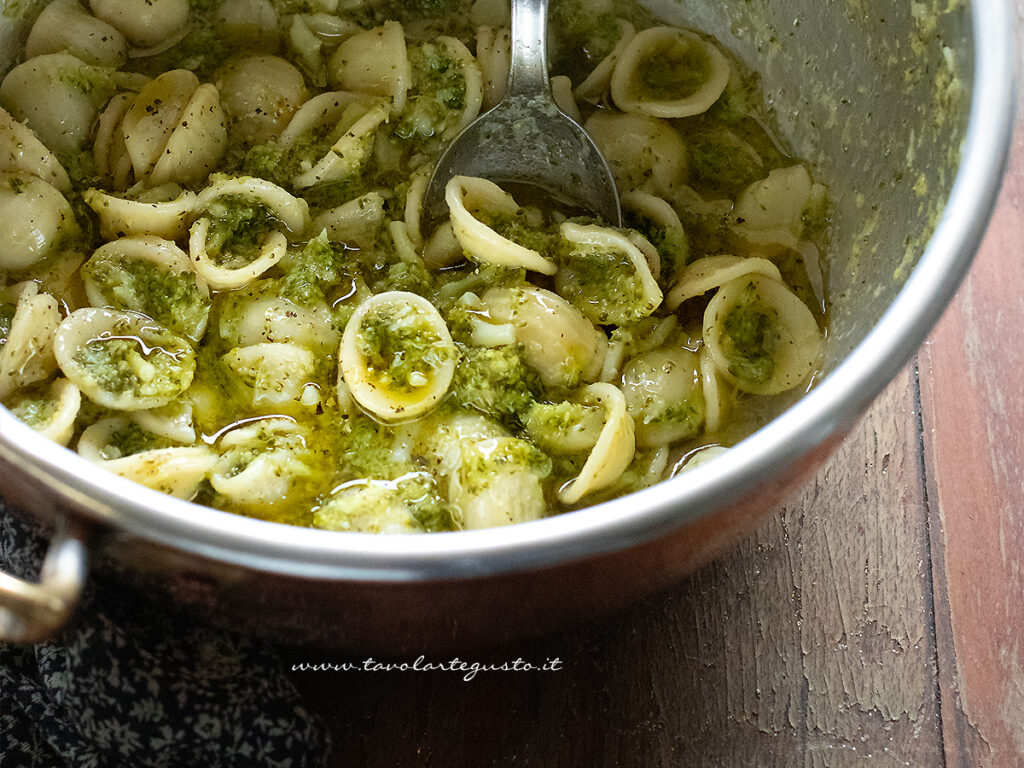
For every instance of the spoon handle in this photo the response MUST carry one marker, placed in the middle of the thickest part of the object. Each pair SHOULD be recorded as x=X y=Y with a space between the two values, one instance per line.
x=528 y=74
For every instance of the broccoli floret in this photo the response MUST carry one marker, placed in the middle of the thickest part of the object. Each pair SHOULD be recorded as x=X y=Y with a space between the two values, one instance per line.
x=238 y=228
x=495 y=382
x=721 y=163
x=409 y=504
x=171 y=298
x=310 y=271
x=603 y=285
x=34 y=406
x=484 y=461
x=269 y=161
x=438 y=94
x=564 y=427
x=402 y=347
x=750 y=339
x=406 y=276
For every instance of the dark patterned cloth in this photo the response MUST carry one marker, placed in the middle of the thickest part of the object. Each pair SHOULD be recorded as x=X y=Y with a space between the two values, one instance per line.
x=132 y=685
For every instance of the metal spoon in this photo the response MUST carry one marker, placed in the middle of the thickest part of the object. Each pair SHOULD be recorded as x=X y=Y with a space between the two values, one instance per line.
x=526 y=139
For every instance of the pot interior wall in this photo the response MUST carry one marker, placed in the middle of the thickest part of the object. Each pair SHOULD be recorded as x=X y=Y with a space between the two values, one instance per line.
x=875 y=96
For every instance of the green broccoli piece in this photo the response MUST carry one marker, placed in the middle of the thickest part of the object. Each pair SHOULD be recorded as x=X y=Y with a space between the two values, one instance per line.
x=310 y=271
x=33 y=406
x=720 y=163
x=406 y=276
x=437 y=97
x=171 y=298
x=495 y=382
x=238 y=228
x=603 y=285
x=402 y=347
x=564 y=427
x=409 y=504
x=750 y=340
x=270 y=161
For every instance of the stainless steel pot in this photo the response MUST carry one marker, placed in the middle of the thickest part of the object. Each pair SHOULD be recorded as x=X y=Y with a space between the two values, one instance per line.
x=906 y=111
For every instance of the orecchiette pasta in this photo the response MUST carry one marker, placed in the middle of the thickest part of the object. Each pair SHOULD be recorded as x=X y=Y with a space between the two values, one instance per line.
x=22 y=152
x=145 y=23
x=606 y=276
x=123 y=360
x=478 y=209
x=121 y=447
x=557 y=340
x=351 y=150
x=171 y=422
x=64 y=25
x=151 y=276
x=174 y=129
x=217 y=280
x=358 y=221
x=275 y=373
x=261 y=463
x=643 y=152
x=37 y=219
x=26 y=351
x=260 y=94
x=668 y=72
x=51 y=411
x=58 y=96
x=259 y=314
x=613 y=450
x=397 y=355
x=664 y=395
x=374 y=62
x=494 y=53
x=250 y=23
x=497 y=482
x=122 y=216
x=713 y=272
x=762 y=338
x=224 y=243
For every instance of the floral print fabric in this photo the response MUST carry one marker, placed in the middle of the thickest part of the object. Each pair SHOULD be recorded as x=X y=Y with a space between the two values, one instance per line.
x=133 y=684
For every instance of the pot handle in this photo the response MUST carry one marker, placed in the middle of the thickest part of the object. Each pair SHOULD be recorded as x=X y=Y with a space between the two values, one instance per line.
x=34 y=612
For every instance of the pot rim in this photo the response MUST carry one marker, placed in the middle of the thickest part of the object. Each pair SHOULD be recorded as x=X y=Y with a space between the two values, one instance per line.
x=833 y=405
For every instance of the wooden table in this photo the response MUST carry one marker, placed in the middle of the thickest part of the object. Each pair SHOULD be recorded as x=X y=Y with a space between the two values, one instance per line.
x=876 y=620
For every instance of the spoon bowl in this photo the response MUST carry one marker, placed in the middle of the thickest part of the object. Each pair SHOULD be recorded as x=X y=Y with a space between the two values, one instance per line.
x=526 y=140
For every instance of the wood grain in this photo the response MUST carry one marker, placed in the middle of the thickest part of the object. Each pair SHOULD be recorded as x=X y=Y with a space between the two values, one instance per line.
x=811 y=645
x=877 y=620
x=973 y=414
